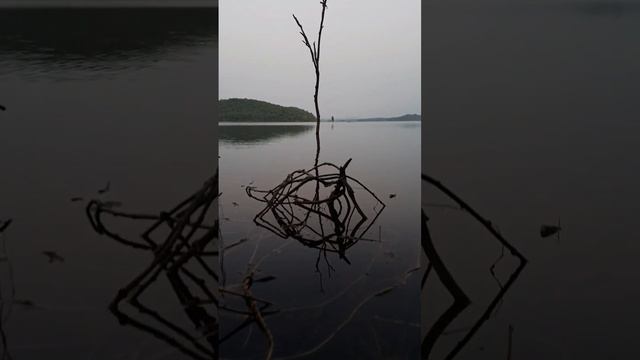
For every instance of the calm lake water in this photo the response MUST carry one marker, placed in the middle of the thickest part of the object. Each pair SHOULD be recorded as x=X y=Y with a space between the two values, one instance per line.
x=326 y=313
x=126 y=96
x=532 y=118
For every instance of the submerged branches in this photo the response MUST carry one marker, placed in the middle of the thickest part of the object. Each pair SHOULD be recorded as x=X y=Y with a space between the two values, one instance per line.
x=331 y=222
x=347 y=320
x=461 y=301
x=318 y=207
x=256 y=313
x=180 y=241
x=329 y=218
x=174 y=255
x=486 y=223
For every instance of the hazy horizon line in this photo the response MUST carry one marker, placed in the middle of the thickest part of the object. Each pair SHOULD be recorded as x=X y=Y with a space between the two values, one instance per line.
x=329 y=118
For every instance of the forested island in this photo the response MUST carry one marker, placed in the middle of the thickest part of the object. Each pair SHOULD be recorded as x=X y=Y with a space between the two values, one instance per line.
x=249 y=110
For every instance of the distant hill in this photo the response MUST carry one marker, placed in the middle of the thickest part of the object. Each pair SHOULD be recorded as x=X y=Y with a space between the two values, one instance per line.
x=408 y=117
x=236 y=110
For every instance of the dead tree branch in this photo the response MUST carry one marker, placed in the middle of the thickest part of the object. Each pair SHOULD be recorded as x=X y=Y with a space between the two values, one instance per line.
x=315 y=58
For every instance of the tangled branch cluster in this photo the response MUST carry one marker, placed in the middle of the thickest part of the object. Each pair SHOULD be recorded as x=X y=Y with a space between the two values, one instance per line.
x=180 y=241
x=331 y=219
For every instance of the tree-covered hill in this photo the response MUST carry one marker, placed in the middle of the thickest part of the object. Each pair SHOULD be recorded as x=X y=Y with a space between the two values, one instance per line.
x=260 y=111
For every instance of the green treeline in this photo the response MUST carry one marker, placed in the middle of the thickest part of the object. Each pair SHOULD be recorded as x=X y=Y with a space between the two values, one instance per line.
x=260 y=111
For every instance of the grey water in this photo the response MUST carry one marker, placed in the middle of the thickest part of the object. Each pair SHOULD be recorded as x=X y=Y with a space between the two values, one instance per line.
x=325 y=313
x=533 y=119
x=96 y=96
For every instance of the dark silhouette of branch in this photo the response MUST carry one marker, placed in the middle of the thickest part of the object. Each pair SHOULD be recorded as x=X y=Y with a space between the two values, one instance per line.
x=315 y=58
x=487 y=313
x=5 y=225
x=291 y=211
x=186 y=243
x=443 y=322
x=486 y=223
x=460 y=299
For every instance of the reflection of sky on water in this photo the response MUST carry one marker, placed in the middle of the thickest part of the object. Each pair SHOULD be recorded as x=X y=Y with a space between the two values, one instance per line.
x=256 y=134
x=385 y=157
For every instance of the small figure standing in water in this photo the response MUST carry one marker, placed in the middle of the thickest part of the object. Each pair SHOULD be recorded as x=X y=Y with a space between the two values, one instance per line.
x=332 y=119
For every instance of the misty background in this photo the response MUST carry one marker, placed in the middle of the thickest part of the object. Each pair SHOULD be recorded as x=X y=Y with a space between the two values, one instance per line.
x=369 y=61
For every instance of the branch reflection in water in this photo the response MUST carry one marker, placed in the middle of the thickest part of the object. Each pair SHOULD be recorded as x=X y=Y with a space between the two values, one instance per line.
x=319 y=208
x=183 y=245
x=461 y=300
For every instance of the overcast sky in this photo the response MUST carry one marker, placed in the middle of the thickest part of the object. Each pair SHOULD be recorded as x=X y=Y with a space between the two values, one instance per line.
x=370 y=57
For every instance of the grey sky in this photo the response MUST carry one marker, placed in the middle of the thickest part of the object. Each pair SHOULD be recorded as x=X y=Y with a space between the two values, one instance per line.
x=370 y=57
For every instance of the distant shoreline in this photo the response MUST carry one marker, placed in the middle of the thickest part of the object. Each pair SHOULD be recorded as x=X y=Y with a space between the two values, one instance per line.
x=305 y=123
x=374 y=120
x=406 y=117
x=235 y=110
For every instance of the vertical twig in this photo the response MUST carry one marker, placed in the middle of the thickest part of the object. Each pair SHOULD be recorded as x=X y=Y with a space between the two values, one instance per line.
x=315 y=58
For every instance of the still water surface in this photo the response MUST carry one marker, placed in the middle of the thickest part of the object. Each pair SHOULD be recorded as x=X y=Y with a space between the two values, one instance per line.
x=326 y=313
x=125 y=96
x=533 y=118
